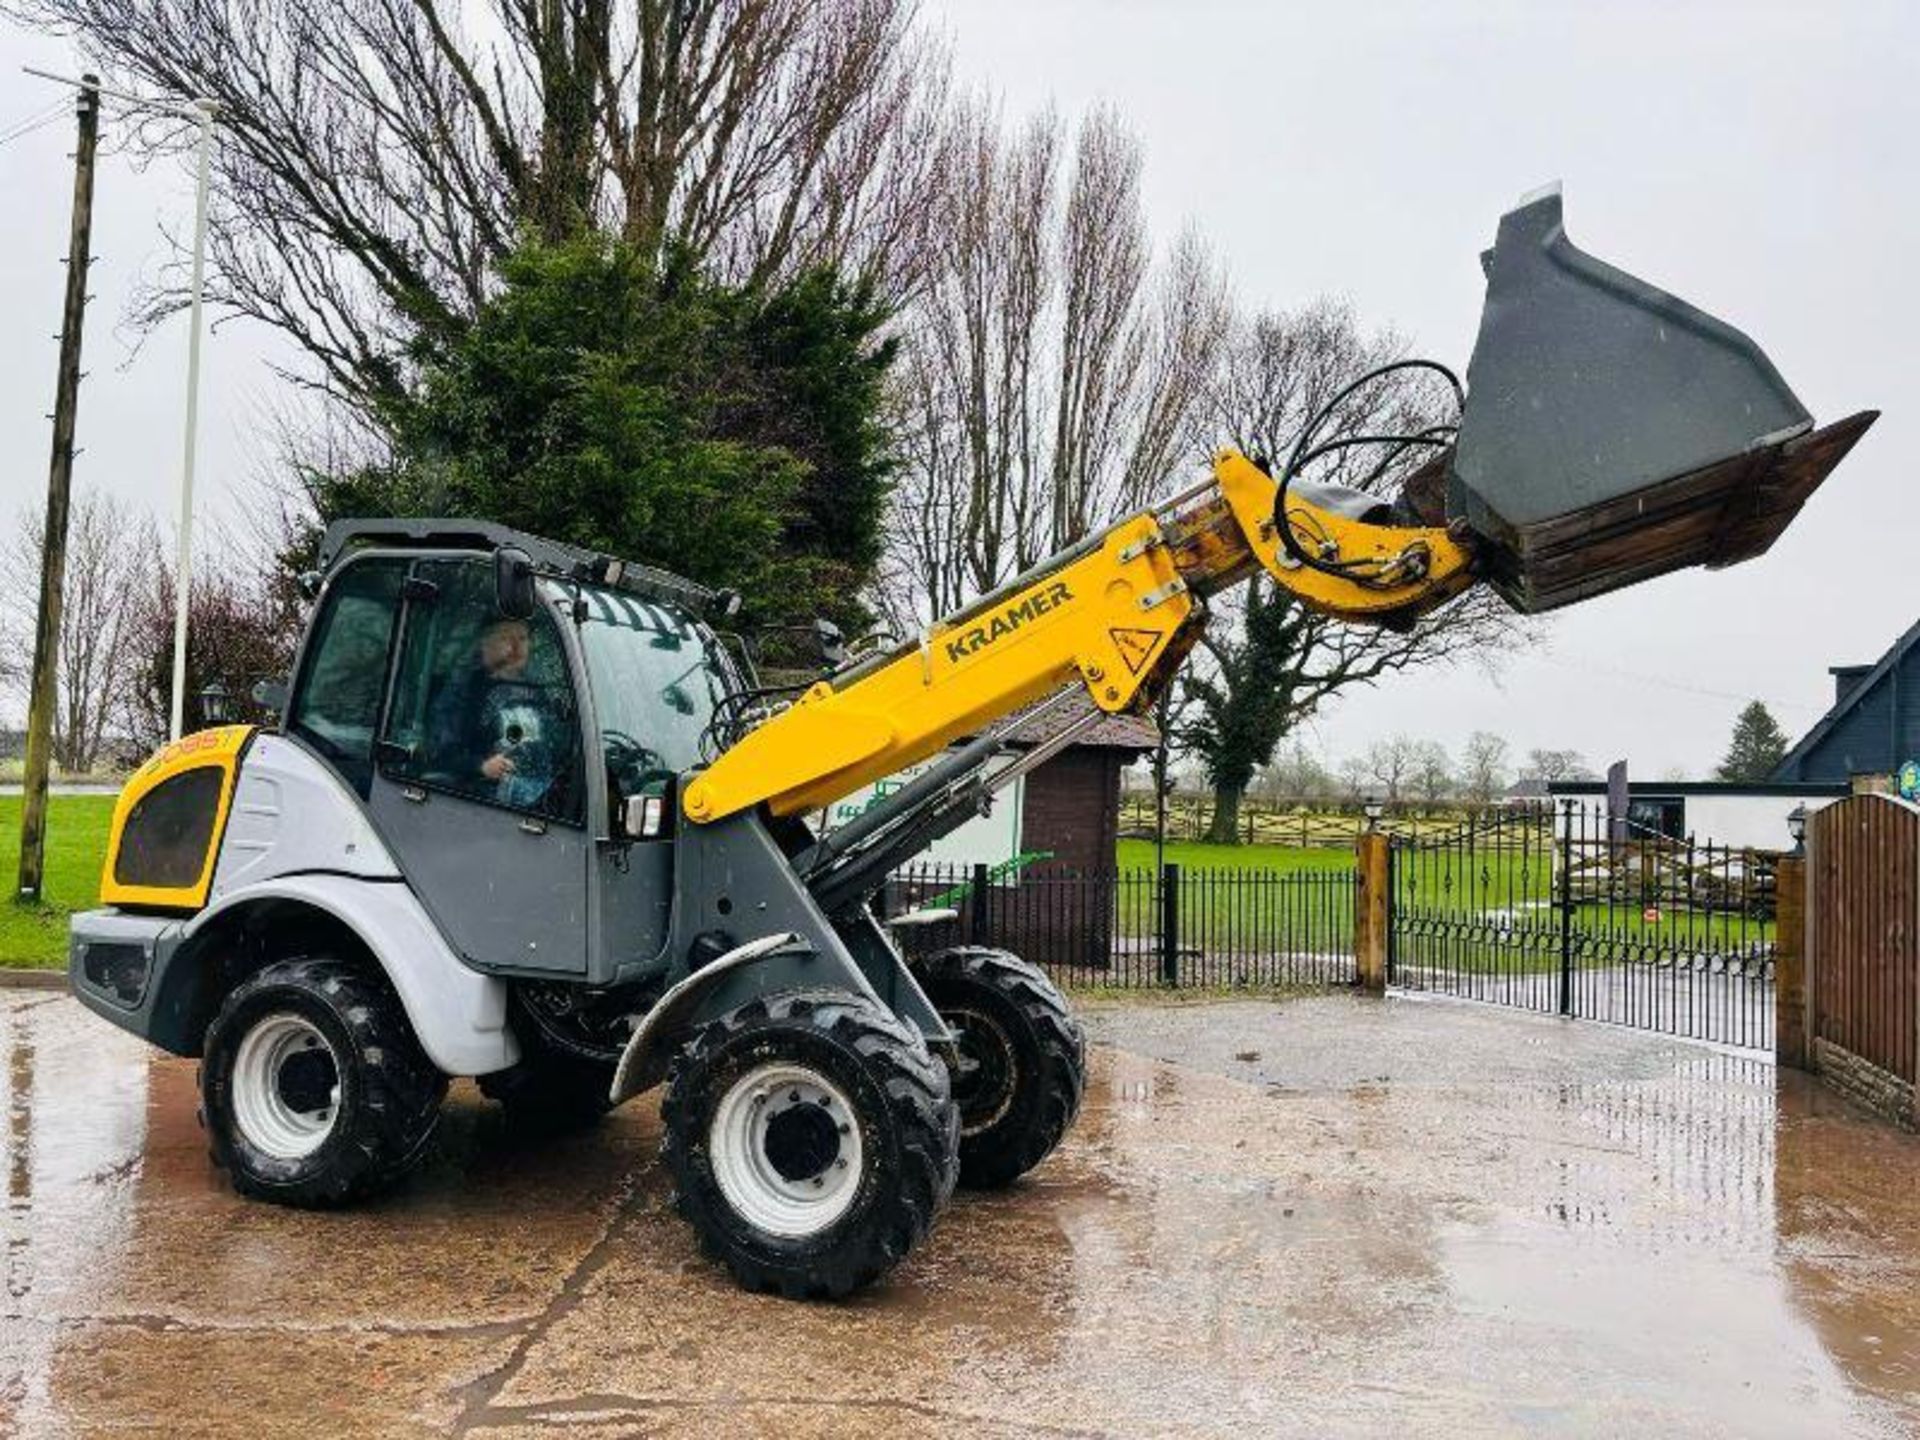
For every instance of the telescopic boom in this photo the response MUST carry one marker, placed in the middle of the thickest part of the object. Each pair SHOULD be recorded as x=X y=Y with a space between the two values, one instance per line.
x=1608 y=433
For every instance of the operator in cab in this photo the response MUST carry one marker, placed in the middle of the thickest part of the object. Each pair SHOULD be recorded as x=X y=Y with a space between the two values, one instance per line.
x=497 y=729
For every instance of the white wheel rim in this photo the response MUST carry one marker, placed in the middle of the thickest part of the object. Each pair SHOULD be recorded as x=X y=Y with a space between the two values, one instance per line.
x=756 y=1109
x=283 y=1102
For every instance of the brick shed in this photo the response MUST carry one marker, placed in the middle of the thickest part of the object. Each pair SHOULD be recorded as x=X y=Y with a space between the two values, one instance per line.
x=1072 y=803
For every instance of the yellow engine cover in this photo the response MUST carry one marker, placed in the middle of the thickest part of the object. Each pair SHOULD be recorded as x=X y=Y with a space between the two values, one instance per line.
x=169 y=819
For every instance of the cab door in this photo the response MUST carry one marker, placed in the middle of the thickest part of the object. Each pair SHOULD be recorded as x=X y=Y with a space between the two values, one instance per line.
x=478 y=784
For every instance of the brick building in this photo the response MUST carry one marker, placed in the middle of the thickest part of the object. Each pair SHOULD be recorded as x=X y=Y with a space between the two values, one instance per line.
x=1070 y=807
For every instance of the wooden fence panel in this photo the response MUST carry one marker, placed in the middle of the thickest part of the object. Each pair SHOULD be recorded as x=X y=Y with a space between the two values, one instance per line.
x=1863 y=891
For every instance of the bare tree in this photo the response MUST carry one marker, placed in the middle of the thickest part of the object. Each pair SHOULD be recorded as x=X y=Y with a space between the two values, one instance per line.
x=377 y=157
x=1049 y=366
x=1355 y=777
x=242 y=626
x=1483 y=768
x=1432 y=778
x=1295 y=774
x=1391 y=765
x=105 y=542
x=1552 y=765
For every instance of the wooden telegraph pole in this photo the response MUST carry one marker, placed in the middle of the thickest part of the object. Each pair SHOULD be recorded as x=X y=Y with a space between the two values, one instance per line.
x=53 y=565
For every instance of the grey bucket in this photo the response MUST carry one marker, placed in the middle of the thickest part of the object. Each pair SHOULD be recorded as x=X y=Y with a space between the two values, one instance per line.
x=1614 y=432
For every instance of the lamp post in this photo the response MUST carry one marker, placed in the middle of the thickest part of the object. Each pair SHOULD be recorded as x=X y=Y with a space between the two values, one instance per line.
x=1374 y=810
x=213 y=704
x=183 y=568
x=1797 y=827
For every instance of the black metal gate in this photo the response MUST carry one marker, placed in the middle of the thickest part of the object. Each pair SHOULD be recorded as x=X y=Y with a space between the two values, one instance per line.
x=1574 y=912
x=1141 y=927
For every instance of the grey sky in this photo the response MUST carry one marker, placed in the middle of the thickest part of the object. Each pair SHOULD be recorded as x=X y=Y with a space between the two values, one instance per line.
x=1759 y=160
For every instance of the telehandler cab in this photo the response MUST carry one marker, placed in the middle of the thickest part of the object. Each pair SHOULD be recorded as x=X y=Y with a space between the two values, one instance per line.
x=526 y=818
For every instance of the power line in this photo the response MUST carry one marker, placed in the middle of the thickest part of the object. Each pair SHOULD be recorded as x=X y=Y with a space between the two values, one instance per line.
x=37 y=121
x=1662 y=682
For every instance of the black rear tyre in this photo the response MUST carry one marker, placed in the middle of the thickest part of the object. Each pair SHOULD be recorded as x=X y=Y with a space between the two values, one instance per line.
x=313 y=1090
x=1022 y=1062
x=812 y=1140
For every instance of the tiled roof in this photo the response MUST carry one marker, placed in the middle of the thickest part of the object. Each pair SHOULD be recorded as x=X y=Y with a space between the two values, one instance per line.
x=1110 y=732
x=1789 y=766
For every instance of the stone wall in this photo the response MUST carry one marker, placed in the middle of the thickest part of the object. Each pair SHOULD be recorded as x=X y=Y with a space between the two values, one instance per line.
x=1881 y=1091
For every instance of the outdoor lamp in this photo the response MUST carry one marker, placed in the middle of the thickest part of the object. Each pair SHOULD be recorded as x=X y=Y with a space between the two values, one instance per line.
x=1374 y=810
x=1797 y=827
x=213 y=704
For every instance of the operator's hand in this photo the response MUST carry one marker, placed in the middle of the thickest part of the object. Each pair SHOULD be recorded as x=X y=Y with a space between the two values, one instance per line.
x=495 y=767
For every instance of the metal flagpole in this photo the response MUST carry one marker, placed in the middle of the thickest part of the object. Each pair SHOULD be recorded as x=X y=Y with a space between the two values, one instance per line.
x=183 y=569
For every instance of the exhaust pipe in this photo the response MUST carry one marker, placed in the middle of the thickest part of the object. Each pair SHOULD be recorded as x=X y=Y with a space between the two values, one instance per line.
x=1613 y=432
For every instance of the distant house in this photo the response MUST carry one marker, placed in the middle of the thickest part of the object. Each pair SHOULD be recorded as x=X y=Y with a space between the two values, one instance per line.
x=1873 y=727
x=1707 y=811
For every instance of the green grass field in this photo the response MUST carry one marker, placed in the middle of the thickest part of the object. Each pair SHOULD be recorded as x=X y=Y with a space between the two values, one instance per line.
x=1267 y=859
x=35 y=936
x=1492 y=878
x=1512 y=889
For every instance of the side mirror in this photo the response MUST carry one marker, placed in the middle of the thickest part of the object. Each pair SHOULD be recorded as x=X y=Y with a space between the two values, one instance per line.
x=833 y=645
x=271 y=696
x=513 y=593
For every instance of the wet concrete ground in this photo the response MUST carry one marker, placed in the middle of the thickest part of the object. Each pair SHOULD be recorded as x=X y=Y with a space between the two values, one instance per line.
x=1323 y=1217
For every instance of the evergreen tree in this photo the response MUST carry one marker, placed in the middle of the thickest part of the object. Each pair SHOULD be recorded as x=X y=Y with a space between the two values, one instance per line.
x=1758 y=746
x=727 y=433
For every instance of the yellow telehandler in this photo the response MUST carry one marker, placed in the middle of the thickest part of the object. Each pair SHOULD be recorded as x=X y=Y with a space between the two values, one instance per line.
x=525 y=817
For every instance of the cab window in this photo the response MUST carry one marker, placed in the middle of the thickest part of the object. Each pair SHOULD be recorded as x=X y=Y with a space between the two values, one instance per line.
x=337 y=706
x=482 y=703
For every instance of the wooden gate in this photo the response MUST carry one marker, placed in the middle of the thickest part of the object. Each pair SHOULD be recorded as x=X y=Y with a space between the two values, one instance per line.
x=1863 y=932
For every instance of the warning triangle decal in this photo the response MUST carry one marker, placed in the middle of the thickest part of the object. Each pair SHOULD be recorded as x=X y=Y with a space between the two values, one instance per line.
x=1135 y=646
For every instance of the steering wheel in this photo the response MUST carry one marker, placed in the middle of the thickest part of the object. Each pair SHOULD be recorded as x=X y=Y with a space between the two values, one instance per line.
x=630 y=764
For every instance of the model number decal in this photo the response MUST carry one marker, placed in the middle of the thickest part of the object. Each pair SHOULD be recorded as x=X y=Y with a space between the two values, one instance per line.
x=977 y=638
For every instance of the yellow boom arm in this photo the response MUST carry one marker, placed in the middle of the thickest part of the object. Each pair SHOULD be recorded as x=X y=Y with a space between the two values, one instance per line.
x=1116 y=612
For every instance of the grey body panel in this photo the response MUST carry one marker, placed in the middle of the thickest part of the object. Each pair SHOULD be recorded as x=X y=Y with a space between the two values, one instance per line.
x=632 y=909
x=733 y=881
x=293 y=814
x=508 y=891
x=458 y=1015
x=297 y=836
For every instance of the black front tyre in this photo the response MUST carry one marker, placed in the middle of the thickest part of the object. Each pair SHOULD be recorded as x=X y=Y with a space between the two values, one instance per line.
x=313 y=1090
x=812 y=1139
x=1021 y=1060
